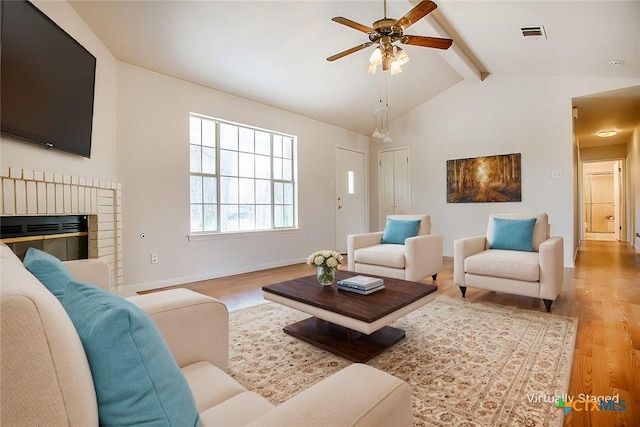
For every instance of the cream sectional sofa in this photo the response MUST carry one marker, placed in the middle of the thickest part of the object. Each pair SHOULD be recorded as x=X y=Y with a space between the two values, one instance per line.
x=46 y=379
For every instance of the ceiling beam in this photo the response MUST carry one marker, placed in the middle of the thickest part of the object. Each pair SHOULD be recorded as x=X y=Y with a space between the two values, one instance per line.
x=459 y=56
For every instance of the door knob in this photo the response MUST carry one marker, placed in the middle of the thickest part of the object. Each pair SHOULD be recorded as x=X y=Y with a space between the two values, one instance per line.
x=339 y=207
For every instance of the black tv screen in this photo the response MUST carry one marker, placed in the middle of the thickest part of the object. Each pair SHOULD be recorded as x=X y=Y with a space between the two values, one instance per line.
x=47 y=83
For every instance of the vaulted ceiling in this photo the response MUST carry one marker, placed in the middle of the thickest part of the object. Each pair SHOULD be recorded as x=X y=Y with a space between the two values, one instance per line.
x=274 y=52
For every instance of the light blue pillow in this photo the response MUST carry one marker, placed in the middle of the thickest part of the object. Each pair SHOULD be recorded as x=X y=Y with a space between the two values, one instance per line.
x=513 y=234
x=49 y=270
x=137 y=380
x=398 y=230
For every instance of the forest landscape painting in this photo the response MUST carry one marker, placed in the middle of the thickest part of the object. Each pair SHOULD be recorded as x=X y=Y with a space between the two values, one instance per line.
x=484 y=179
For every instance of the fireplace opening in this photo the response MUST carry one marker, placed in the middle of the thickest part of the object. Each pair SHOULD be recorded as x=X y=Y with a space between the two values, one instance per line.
x=64 y=236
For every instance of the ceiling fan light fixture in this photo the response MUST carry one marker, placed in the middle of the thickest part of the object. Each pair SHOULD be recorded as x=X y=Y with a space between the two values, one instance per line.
x=607 y=133
x=372 y=68
x=401 y=56
x=395 y=67
x=376 y=57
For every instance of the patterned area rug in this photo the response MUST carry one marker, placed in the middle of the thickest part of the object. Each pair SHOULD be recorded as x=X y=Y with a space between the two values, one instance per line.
x=468 y=364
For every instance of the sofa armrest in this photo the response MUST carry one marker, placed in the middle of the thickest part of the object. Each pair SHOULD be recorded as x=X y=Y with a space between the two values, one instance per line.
x=551 y=267
x=358 y=395
x=463 y=248
x=195 y=326
x=357 y=241
x=94 y=271
x=423 y=256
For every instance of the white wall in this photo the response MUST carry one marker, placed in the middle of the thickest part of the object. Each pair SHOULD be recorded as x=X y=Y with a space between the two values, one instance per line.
x=503 y=114
x=633 y=171
x=102 y=164
x=153 y=161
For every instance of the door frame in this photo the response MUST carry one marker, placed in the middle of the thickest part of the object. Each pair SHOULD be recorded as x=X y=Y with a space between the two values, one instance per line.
x=365 y=190
x=622 y=198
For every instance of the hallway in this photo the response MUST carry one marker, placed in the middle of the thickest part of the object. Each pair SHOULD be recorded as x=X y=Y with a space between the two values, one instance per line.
x=605 y=296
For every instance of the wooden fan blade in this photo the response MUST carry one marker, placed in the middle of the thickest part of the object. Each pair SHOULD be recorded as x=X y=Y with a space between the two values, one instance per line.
x=353 y=24
x=421 y=10
x=349 y=51
x=434 y=42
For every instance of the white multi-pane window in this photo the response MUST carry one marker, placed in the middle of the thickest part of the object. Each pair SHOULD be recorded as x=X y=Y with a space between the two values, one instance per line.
x=242 y=178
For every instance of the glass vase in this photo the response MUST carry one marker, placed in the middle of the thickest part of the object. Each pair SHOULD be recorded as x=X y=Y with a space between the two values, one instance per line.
x=325 y=275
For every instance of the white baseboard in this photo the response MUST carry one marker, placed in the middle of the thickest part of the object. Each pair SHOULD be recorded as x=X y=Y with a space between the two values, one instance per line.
x=129 y=290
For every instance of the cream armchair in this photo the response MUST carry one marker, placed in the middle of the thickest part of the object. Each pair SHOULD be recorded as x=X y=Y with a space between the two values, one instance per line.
x=417 y=258
x=537 y=273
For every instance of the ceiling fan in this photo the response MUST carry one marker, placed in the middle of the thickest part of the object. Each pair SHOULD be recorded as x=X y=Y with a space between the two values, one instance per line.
x=387 y=31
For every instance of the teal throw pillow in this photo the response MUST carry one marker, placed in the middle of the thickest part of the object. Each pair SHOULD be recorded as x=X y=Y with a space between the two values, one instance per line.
x=398 y=230
x=137 y=380
x=49 y=270
x=513 y=234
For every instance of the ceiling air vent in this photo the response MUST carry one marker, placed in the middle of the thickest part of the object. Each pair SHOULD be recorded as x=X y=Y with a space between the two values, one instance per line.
x=534 y=32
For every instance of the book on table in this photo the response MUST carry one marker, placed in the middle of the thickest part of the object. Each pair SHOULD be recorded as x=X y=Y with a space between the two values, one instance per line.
x=364 y=283
x=361 y=291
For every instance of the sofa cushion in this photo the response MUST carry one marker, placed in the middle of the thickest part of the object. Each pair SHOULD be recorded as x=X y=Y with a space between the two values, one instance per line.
x=239 y=410
x=512 y=234
x=515 y=265
x=201 y=375
x=8 y=257
x=45 y=377
x=397 y=231
x=383 y=255
x=137 y=380
x=49 y=270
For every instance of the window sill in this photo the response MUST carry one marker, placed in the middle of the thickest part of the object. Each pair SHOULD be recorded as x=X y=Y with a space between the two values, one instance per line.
x=196 y=237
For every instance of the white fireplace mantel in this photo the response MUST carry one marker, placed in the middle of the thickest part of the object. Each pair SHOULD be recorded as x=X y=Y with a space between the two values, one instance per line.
x=29 y=192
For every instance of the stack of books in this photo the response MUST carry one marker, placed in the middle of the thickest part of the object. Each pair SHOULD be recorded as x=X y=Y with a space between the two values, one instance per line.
x=363 y=285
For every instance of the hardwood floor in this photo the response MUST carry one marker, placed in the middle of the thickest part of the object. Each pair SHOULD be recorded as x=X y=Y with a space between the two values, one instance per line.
x=603 y=292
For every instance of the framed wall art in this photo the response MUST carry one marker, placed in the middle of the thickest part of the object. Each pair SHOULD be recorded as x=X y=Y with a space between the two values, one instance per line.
x=484 y=179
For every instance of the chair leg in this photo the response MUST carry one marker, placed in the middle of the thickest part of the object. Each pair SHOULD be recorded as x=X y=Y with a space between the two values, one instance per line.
x=434 y=276
x=547 y=304
x=463 y=289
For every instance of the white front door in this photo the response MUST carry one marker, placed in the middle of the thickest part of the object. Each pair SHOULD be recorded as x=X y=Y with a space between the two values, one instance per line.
x=351 y=214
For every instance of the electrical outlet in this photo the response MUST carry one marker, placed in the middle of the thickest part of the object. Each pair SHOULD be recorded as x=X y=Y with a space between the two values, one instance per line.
x=154 y=258
x=556 y=175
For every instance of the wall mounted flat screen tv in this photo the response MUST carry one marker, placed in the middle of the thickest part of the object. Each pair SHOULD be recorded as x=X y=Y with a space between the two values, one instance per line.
x=48 y=80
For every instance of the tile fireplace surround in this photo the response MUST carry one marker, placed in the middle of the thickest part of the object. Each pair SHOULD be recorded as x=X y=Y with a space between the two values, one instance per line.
x=28 y=192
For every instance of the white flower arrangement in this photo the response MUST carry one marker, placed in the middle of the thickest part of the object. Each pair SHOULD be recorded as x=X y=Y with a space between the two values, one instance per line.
x=325 y=258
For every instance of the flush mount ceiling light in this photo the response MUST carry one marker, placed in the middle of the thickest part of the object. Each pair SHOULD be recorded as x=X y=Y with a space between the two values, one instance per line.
x=607 y=133
x=386 y=32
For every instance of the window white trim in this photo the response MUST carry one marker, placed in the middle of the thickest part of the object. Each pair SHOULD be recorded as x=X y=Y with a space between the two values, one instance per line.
x=217 y=156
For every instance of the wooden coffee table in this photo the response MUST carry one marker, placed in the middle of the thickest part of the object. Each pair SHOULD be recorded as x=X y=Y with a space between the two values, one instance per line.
x=350 y=325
